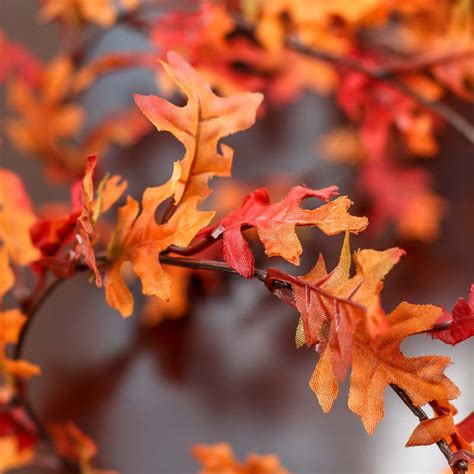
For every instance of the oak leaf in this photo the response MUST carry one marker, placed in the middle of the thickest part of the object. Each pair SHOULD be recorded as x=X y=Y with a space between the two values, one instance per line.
x=138 y=239
x=72 y=443
x=64 y=238
x=466 y=428
x=403 y=195
x=432 y=430
x=74 y=12
x=461 y=319
x=379 y=362
x=460 y=439
x=16 y=218
x=343 y=336
x=92 y=207
x=156 y=310
x=18 y=61
x=43 y=119
x=11 y=322
x=199 y=125
x=332 y=305
x=276 y=223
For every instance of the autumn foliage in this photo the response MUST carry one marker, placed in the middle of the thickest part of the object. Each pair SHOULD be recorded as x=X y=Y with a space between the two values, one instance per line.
x=219 y=66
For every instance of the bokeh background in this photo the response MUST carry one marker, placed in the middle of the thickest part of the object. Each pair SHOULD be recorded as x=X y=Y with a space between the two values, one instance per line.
x=228 y=371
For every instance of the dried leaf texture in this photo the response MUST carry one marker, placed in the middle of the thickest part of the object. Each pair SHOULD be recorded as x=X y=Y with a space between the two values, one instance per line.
x=276 y=223
x=140 y=240
x=199 y=125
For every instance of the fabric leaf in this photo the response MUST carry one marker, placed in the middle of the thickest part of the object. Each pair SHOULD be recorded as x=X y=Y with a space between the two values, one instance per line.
x=220 y=459
x=461 y=319
x=332 y=305
x=276 y=223
x=140 y=240
x=199 y=125
x=432 y=430
x=377 y=363
x=109 y=191
x=16 y=218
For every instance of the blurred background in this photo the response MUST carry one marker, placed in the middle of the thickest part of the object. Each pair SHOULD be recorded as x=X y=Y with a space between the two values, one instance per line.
x=228 y=370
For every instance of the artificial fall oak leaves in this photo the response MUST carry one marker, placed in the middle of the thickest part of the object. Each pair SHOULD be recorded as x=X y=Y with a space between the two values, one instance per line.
x=140 y=240
x=343 y=316
x=276 y=223
x=199 y=125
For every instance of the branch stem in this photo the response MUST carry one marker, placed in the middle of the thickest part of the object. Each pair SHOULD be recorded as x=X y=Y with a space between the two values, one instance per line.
x=43 y=290
x=422 y=416
x=389 y=74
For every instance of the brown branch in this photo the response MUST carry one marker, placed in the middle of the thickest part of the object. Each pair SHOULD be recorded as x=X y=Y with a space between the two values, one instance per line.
x=31 y=306
x=456 y=120
x=422 y=416
x=426 y=62
x=43 y=290
x=388 y=74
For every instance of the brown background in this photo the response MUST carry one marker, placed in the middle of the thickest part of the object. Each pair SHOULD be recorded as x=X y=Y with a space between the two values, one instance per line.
x=229 y=370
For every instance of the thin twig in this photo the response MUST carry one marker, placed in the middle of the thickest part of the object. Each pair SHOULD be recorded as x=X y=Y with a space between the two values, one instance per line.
x=43 y=291
x=422 y=416
x=425 y=62
x=207 y=265
x=388 y=74
x=262 y=276
x=31 y=307
x=456 y=120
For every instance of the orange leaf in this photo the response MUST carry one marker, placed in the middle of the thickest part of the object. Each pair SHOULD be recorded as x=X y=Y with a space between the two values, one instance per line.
x=332 y=305
x=377 y=363
x=73 y=12
x=11 y=322
x=220 y=459
x=108 y=193
x=11 y=455
x=343 y=316
x=432 y=430
x=199 y=125
x=70 y=442
x=156 y=310
x=16 y=218
x=140 y=240
x=7 y=278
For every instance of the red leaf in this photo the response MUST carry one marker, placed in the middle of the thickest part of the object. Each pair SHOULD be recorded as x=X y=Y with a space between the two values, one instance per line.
x=276 y=223
x=462 y=322
x=466 y=428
